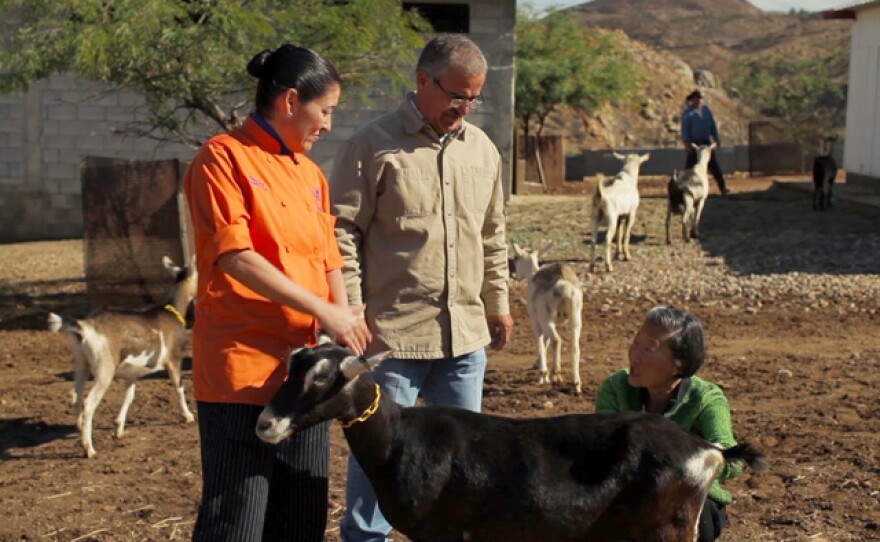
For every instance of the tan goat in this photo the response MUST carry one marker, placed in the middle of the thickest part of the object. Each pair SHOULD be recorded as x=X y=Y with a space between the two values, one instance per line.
x=616 y=201
x=554 y=296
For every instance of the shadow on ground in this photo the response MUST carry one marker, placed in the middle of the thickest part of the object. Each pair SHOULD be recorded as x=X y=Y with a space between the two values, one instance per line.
x=776 y=231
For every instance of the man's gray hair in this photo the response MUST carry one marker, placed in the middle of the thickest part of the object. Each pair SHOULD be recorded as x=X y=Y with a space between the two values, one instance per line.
x=452 y=50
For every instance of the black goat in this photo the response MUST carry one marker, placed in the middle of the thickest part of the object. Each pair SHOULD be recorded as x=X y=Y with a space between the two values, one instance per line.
x=446 y=474
x=824 y=172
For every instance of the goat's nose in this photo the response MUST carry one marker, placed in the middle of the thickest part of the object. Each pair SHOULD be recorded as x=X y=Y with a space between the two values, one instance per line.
x=265 y=425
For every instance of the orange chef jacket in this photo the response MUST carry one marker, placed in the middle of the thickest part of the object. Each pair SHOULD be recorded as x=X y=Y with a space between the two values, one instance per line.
x=244 y=192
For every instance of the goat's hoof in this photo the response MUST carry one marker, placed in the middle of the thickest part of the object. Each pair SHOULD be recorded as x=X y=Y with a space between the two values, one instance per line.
x=577 y=389
x=90 y=453
x=543 y=380
x=118 y=433
x=189 y=419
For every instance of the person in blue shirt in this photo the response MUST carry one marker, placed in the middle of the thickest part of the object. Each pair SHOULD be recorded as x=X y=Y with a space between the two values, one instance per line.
x=698 y=127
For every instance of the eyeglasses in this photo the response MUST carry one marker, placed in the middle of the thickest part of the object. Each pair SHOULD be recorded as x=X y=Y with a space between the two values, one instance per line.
x=457 y=101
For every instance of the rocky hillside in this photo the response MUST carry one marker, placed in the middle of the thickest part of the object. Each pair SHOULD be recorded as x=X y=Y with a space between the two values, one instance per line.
x=687 y=44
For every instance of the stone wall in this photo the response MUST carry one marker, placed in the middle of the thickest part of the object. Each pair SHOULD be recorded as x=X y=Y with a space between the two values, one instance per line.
x=45 y=132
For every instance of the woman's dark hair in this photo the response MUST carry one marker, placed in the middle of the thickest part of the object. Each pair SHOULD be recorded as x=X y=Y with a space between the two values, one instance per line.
x=685 y=337
x=290 y=66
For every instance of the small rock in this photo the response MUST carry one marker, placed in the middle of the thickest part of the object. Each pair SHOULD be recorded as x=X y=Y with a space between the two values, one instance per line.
x=784 y=372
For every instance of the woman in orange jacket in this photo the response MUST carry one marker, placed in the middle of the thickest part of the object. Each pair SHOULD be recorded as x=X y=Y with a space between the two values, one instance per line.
x=269 y=278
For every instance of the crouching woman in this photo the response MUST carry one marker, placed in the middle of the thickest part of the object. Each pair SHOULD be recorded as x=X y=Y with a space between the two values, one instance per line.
x=663 y=358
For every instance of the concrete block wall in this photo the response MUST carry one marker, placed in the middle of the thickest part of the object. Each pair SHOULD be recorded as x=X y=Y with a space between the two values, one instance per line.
x=45 y=131
x=661 y=162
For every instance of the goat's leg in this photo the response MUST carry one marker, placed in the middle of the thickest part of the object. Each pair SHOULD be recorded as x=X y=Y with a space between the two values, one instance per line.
x=686 y=218
x=542 y=347
x=609 y=238
x=631 y=219
x=80 y=374
x=174 y=373
x=576 y=322
x=103 y=378
x=542 y=359
x=699 y=213
x=593 y=247
x=618 y=237
x=123 y=411
x=668 y=223
x=556 y=349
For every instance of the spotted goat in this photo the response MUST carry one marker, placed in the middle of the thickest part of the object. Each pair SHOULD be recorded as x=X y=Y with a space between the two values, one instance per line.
x=128 y=344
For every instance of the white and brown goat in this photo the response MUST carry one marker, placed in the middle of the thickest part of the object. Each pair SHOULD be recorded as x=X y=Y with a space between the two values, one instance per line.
x=129 y=344
x=616 y=201
x=554 y=297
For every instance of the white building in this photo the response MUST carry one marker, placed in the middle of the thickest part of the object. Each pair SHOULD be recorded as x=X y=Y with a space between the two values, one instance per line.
x=861 y=155
x=45 y=131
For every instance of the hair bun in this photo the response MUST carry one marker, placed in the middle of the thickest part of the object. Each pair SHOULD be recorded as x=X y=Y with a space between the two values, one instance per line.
x=257 y=66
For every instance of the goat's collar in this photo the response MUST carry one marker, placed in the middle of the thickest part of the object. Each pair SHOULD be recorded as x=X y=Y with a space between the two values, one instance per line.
x=170 y=308
x=370 y=410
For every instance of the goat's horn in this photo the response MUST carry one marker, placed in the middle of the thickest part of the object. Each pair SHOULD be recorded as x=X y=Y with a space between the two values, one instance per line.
x=375 y=359
x=352 y=366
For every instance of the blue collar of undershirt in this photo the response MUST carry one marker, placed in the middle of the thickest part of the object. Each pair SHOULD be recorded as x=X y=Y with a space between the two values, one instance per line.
x=264 y=124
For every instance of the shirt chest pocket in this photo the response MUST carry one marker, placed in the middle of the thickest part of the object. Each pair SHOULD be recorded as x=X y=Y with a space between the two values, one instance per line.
x=476 y=187
x=410 y=192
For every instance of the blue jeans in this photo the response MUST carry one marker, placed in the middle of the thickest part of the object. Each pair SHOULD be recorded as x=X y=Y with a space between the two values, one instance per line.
x=450 y=381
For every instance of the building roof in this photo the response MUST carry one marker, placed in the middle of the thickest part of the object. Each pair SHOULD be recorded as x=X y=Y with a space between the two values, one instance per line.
x=849 y=9
x=856 y=5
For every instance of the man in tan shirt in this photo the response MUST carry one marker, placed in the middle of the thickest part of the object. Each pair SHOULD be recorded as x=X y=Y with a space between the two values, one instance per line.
x=420 y=223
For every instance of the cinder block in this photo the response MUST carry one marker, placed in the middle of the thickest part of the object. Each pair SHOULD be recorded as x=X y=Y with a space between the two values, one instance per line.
x=61 y=171
x=58 y=141
x=61 y=112
x=75 y=128
x=90 y=112
x=70 y=186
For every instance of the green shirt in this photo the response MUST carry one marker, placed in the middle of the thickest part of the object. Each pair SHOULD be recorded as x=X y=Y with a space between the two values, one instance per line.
x=701 y=408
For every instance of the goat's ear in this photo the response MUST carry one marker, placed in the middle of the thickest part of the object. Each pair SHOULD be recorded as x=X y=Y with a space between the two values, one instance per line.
x=621 y=157
x=644 y=158
x=324 y=338
x=517 y=250
x=694 y=145
x=375 y=359
x=168 y=264
x=290 y=358
x=713 y=145
x=545 y=248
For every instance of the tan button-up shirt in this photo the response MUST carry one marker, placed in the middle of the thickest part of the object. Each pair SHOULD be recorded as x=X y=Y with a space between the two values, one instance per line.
x=420 y=224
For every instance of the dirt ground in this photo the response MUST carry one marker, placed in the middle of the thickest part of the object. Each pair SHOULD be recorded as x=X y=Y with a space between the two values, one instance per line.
x=788 y=297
